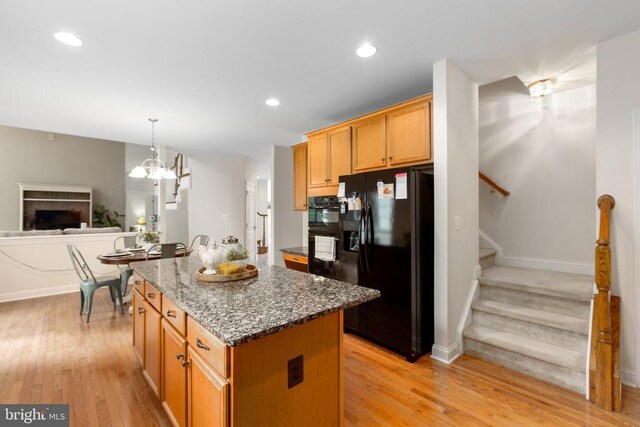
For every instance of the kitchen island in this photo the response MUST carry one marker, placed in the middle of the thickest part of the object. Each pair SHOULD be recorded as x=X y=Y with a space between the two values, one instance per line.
x=262 y=351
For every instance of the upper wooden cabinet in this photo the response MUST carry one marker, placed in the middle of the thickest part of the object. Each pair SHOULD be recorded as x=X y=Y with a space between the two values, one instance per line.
x=393 y=137
x=300 y=177
x=409 y=134
x=329 y=156
x=369 y=144
x=339 y=155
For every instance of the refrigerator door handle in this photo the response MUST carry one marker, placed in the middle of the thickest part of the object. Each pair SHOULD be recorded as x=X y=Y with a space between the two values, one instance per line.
x=369 y=237
x=365 y=220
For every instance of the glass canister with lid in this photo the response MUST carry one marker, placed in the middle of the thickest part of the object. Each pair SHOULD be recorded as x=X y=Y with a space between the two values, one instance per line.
x=235 y=256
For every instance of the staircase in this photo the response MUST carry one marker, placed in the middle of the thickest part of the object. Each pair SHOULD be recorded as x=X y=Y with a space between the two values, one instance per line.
x=533 y=321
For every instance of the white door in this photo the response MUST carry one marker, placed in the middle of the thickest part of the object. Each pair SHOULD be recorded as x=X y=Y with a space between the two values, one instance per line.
x=250 y=215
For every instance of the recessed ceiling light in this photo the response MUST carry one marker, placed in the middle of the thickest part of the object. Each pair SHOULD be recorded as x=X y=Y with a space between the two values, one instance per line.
x=366 y=50
x=68 y=39
x=272 y=102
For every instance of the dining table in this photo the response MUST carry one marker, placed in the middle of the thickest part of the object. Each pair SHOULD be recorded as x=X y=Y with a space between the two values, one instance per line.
x=127 y=256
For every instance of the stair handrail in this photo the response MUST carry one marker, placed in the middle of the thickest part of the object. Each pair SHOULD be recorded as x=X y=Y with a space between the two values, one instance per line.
x=494 y=186
x=604 y=354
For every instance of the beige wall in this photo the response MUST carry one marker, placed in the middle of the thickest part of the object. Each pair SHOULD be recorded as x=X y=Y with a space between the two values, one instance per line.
x=542 y=150
x=28 y=156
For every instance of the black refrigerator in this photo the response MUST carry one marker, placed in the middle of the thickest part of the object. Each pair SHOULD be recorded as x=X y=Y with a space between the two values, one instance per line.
x=387 y=227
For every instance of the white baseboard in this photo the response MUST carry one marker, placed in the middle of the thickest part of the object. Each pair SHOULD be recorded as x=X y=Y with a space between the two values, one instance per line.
x=544 y=264
x=490 y=242
x=629 y=378
x=37 y=293
x=467 y=316
x=445 y=355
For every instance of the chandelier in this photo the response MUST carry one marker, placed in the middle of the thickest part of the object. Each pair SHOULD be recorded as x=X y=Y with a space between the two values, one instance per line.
x=152 y=168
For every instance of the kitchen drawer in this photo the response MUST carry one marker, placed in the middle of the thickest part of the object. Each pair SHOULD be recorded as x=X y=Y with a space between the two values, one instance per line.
x=153 y=296
x=137 y=282
x=174 y=315
x=212 y=350
x=295 y=258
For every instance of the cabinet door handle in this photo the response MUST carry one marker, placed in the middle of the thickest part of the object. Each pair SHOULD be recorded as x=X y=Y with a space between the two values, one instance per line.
x=390 y=158
x=202 y=345
x=382 y=159
x=180 y=356
x=140 y=310
x=171 y=313
x=185 y=363
x=151 y=296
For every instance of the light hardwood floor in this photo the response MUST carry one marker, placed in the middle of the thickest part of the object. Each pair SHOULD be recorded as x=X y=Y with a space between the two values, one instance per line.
x=49 y=355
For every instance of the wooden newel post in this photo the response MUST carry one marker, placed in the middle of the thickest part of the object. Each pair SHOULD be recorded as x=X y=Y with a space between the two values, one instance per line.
x=603 y=381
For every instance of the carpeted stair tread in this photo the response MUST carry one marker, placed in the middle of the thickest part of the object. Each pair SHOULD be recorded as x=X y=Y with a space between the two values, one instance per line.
x=486 y=252
x=577 y=287
x=546 y=318
x=531 y=348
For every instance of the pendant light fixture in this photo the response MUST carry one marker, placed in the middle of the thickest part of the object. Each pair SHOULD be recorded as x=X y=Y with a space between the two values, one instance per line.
x=152 y=168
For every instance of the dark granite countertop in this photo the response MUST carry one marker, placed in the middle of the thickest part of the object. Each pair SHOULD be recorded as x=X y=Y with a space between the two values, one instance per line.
x=246 y=310
x=298 y=250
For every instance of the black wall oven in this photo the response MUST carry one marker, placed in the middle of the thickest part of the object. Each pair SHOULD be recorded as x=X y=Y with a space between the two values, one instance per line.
x=324 y=220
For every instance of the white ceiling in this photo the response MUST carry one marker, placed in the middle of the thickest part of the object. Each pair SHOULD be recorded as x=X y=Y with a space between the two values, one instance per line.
x=205 y=67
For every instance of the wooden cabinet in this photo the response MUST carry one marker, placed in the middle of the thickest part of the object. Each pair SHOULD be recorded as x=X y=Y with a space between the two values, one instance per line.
x=369 y=144
x=409 y=134
x=393 y=137
x=339 y=155
x=300 y=177
x=296 y=262
x=138 y=326
x=207 y=395
x=152 y=354
x=317 y=164
x=329 y=156
x=174 y=374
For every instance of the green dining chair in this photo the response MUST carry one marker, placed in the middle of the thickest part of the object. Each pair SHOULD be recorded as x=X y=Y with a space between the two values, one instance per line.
x=89 y=282
x=167 y=250
x=128 y=242
x=203 y=240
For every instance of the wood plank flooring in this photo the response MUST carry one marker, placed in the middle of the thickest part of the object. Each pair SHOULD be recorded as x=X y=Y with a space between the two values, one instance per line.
x=49 y=355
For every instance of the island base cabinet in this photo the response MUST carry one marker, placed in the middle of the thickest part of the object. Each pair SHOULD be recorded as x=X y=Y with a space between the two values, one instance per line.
x=207 y=394
x=152 y=349
x=174 y=374
x=138 y=327
x=292 y=378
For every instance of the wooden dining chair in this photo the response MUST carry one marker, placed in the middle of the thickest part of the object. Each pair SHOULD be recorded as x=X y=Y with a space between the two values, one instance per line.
x=204 y=240
x=89 y=282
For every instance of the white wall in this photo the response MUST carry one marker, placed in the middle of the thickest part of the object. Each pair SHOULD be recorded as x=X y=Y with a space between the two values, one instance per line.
x=28 y=156
x=217 y=197
x=542 y=150
x=618 y=174
x=455 y=144
x=285 y=222
x=262 y=207
x=176 y=218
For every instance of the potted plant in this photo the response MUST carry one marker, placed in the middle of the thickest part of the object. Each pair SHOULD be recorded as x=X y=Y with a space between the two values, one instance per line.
x=149 y=238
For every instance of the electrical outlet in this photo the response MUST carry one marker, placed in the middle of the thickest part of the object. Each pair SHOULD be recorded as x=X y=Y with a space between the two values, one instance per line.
x=456 y=223
x=295 y=371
